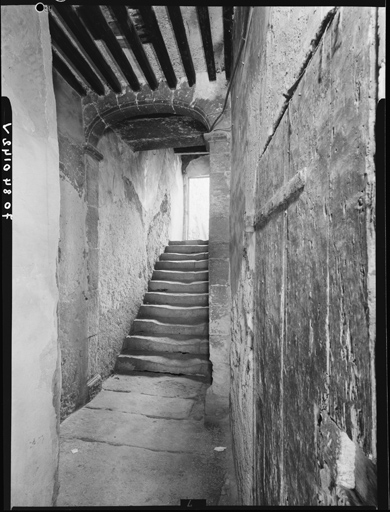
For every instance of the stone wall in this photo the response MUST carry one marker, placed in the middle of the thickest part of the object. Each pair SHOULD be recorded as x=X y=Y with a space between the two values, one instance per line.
x=35 y=225
x=140 y=210
x=72 y=248
x=217 y=398
x=303 y=293
x=118 y=211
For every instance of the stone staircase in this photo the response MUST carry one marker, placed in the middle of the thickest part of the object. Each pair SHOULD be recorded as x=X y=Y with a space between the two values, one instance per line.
x=170 y=333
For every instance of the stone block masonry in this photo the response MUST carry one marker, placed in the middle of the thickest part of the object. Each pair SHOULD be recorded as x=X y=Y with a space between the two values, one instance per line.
x=217 y=400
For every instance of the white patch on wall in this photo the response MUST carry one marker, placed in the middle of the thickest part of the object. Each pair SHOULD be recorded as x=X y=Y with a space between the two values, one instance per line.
x=204 y=89
x=199 y=193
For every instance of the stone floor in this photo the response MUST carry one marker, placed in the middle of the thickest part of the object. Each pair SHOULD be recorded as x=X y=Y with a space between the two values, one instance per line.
x=143 y=441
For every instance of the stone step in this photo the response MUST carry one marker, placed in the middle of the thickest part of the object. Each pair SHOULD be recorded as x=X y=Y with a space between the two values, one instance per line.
x=186 y=249
x=189 y=242
x=177 y=299
x=177 y=287
x=183 y=265
x=172 y=256
x=183 y=344
x=150 y=326
x=175 y=314
x=178 y=364
x=186 y=276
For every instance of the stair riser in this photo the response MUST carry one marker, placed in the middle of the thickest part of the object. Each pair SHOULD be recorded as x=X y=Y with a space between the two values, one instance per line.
x=186 y=249
x=182 y=265
x=128 y=365
x=149 y=327
x=182 y=277
x=180 y=316
x=184 y=257
x=156 y=345
x=175 y=287
x=176 y=299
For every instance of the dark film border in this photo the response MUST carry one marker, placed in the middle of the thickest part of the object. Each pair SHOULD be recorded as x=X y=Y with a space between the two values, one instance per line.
x=6 y=253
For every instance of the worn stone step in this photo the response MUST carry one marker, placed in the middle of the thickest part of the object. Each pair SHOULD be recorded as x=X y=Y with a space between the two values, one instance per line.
x=172 y=256
x=177 y=299
x=178 y=364
x=188 y=242
x=155 y=384
x=193 y=265
x=184 y=344
x=177 y=287
x=149 y=326
x=181 y=276
x=186 y=249
x=175 y=314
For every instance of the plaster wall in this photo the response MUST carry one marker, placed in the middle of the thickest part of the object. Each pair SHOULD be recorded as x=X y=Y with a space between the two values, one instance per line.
x=36 y=199
x=199 y=192
x=196 y=198
x=72 y=249
x=303 y=310
x=140 y=210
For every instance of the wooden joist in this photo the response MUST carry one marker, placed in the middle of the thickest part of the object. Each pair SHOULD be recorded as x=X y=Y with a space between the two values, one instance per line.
x=133 y=42
x=67 y=75
x=205 y=30
x=64 y=46
x=72 y=22
x=96 y=23
x=194 y=150
x=227 y=38
x=150 y=22
x=182 y=42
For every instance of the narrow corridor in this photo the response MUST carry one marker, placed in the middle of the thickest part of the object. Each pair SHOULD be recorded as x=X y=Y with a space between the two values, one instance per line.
x=142 y=440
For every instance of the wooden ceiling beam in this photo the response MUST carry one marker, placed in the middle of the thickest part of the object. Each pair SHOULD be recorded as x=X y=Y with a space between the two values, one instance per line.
x=72 y=22
x=65 y=47
x=205 y=30
x=194 y=150
x=227 y=38
x=182 y=42
x=150 y=22
x=96 y=23
x=68 y=75
x=133 y=42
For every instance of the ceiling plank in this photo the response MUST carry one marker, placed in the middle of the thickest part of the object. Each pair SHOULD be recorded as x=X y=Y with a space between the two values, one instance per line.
x=65 y=47
x=205 y=30
x=99 y=28
x=227 y=38
x=150 y=21
x=67 y=75
x=129 y=33
x=182 y=42
x=72 y=22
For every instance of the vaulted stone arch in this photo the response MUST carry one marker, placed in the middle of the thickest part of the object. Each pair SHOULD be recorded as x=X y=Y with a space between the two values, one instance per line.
x=196 y=103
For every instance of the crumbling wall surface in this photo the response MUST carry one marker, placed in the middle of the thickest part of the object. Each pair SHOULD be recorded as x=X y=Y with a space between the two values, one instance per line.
x=35 y=223
x=140 y=209
x=314 y=265
x=72 y=249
